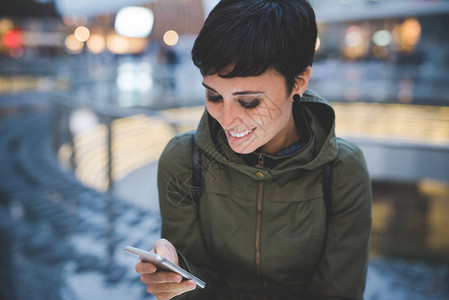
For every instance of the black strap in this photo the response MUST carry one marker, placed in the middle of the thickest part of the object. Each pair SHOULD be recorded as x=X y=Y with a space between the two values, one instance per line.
x=327 y=189
x=196 y=172
x=196 y=190
x=327 y=197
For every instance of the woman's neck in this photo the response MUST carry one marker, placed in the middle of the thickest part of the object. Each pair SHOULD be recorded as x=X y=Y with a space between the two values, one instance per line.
x=283 y=139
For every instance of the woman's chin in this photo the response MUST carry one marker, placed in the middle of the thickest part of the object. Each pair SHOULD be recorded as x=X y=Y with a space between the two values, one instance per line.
x=244 y=148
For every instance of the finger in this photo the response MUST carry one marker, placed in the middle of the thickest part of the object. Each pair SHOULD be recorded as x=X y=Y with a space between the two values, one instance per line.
x=161 y=277
x=144 y=267
x=166 y=296
x=166 y=249
x=172 y=289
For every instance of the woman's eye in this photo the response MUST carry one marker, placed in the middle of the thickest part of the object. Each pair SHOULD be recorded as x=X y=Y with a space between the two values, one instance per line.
x=250 y=104
x=214 y=98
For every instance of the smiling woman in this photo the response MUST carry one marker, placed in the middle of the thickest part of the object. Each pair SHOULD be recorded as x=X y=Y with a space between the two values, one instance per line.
x=285 y=206
x=238 y=104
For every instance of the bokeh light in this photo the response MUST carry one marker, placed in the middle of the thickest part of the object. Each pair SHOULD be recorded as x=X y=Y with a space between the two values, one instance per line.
x=134 y=21
x=82 y=33
x=12 y=39
x=356 y=42
x=137 y=45
x=382 y=38
x=116 y=43
x=353 y=36
x=410 y=32
x=96 y=43
x=6 y=25
x=171 y=38
x=73 y=44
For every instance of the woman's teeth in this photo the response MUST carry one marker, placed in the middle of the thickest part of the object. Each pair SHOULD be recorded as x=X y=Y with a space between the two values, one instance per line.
x=240 y=134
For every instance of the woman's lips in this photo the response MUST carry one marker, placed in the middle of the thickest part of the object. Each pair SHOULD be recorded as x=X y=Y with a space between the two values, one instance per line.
x=240 y=134
x=240 y=137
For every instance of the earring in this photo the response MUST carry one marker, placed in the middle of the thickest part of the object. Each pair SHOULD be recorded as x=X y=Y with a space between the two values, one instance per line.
x=296 y=98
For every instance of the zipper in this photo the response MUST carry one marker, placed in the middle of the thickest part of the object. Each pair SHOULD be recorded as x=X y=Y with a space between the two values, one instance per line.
x=259 y=218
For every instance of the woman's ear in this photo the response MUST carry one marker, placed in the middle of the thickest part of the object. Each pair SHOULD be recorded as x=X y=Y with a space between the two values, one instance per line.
x=302 y=81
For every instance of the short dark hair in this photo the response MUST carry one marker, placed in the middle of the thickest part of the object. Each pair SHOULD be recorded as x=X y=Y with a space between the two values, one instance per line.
x=252 y=36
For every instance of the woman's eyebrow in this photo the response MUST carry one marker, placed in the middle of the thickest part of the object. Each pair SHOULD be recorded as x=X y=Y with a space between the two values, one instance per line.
x=247 y=93
x=236 y=93
x=208 y=87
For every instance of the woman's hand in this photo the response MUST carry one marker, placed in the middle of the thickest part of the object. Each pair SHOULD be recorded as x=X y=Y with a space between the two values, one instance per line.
x=162 y=284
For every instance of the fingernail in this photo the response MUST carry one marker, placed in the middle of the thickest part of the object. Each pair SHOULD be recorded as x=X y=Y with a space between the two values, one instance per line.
x=192 y=284
x=151 y=268
x=178 y=278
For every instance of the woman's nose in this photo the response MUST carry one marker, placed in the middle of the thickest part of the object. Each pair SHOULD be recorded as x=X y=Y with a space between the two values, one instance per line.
x=229 y=116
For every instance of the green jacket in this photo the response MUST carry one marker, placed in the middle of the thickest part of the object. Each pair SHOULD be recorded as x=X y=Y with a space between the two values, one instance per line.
x=259 y=228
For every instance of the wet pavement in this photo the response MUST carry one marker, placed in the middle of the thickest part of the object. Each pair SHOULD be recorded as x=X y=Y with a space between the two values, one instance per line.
x=62 y=240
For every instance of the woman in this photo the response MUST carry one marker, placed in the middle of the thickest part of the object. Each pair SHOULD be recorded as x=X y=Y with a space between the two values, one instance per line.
x=260 y=229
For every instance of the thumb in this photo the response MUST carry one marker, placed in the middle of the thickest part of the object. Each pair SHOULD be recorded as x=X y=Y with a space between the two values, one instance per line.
x=166 y=249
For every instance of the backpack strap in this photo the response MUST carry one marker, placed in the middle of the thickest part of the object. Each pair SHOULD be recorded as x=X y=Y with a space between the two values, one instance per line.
x=327 y=197
x=196 y=189
x=327 y=189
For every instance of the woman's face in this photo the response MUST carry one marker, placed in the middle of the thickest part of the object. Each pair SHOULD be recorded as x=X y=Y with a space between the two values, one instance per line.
x=255 y=112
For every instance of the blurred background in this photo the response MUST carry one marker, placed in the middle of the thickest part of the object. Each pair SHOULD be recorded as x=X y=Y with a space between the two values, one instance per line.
x=91 y=91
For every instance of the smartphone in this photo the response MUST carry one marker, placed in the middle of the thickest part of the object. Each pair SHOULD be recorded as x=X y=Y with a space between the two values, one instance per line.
x=162 y=263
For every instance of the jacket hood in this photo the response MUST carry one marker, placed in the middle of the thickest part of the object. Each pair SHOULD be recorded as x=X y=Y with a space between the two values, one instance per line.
x=320 y=148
